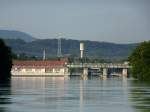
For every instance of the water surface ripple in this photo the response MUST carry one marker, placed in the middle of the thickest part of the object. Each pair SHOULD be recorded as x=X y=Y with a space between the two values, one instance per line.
x=39 y=94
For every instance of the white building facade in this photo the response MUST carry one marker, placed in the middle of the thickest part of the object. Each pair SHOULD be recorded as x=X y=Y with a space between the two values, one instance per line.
x=39 y=68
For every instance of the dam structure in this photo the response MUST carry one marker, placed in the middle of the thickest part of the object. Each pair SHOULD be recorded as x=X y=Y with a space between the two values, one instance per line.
x=62 y=68
x=104 y=69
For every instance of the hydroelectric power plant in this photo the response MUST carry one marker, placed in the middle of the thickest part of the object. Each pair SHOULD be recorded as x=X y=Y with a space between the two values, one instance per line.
x=64 y=68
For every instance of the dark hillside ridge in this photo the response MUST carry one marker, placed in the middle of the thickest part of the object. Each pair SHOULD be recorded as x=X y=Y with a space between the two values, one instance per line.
x=70 y=47
x=8 y=34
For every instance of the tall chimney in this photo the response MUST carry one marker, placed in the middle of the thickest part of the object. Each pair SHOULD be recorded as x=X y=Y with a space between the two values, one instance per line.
x=44 y=55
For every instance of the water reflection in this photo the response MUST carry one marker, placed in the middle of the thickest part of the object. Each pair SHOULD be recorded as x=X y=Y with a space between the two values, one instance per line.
x=37 y=93
x=49 y=94
x=81 y=96
x=140 y=96
x=5 y=92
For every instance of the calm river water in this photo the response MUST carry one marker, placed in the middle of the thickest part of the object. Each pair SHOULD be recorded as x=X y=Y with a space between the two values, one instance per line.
x=74 y=95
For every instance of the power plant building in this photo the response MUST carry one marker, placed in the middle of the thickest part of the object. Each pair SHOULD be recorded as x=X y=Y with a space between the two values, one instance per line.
x=39 y=68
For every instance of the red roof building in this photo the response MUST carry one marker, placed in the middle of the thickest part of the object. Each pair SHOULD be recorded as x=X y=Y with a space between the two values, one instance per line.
x=39 y=68
x=38 y=64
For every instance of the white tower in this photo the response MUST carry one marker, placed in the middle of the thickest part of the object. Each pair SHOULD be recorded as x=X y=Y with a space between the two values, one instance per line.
x=81 y=50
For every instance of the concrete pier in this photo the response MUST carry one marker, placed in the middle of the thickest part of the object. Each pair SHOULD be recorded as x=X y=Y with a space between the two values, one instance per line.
x=85 y=73
x=104 y=75
x=124 y=72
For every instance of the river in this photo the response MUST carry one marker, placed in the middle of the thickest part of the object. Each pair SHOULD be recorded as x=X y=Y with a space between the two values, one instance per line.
x=49 y=94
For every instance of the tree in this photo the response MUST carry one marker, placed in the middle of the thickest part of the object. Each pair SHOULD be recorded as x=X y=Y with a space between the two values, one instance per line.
x=140 y=61
x=5 y=61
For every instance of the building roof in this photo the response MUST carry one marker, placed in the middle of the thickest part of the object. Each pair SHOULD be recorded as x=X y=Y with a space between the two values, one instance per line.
x=39 y=63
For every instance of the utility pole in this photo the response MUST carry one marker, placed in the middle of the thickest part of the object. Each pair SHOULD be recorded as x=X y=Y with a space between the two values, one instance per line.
x=59 y=54
x=44 y=55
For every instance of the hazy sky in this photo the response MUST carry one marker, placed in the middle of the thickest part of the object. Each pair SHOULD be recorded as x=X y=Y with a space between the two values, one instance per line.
x=124 y=21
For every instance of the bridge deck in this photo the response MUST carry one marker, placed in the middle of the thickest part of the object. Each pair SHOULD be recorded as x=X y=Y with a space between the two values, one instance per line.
x=98 y=65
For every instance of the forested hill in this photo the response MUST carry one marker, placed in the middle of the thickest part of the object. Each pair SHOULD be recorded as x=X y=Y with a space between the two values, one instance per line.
x=71 y=47
x=11 y=34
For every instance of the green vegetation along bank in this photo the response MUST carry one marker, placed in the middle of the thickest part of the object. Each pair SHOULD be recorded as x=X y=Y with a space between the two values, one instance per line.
x=5 y=61
x=140 y=61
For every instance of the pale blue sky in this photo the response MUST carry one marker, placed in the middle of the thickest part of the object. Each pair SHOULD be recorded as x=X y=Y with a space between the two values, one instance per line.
x=123 y=21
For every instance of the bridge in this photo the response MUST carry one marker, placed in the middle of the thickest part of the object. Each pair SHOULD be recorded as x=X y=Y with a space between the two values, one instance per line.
x=104 y=67
x=98 y=65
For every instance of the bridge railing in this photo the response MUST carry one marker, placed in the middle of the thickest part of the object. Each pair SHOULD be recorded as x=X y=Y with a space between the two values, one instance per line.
x=98 y=65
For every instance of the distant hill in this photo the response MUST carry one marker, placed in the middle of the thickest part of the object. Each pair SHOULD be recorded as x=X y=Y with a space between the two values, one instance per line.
x=93 y=49
x=8 y=34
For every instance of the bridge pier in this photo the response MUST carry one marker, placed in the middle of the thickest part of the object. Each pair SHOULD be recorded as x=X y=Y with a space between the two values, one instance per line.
x=85 y=73
x=103 y=66
x=124 y=72
x=104 y=75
